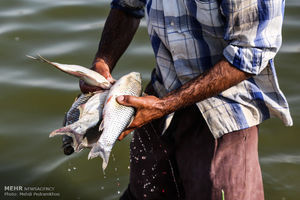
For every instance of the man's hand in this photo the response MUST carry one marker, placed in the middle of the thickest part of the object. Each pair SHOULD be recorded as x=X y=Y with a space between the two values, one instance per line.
x=147 y=109
x=102 y=68
x=112 y=44
x=219 y=78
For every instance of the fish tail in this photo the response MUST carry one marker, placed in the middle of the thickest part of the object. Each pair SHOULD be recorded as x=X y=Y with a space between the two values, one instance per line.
x=39 y=58
x=42 y=59
x=77 y=138
x=96 y=151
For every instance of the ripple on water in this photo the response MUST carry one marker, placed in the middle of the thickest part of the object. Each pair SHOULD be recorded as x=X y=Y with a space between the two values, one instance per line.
x=50 y=165
x=292 y=3
x=60 y=48
x=280 y=158
x=25 y=78
x=17 y=12
x=291 y=47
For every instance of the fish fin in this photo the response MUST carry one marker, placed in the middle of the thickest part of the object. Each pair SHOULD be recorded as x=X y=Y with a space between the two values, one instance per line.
x=108 y=99
x=168 y=121
x=31 y=57
x=79 y=147
x=81 y=108
x=60 y=131
x=84 y=143
x=104 y=165
x=131 y=119
x=41 y=58
x=101 y=126
x=96 y=151
x=77 y=97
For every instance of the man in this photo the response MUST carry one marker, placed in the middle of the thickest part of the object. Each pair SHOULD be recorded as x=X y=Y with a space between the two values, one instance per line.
x=215 y=71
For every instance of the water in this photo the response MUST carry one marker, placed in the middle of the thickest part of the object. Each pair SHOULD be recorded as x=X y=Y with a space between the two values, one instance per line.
x=35 y=96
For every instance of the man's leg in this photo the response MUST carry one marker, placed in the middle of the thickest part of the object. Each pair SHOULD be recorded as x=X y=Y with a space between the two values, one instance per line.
x=207 y=166
x=235 y=167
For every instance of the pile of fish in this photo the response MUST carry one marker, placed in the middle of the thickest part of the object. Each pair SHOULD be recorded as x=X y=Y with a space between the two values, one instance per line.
x=98 y=111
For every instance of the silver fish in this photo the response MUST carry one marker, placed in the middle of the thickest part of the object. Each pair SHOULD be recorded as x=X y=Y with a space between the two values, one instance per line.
x=116 y=117
x=70 y=117
x=74 y=112
x=89 y=76
x=91 y=113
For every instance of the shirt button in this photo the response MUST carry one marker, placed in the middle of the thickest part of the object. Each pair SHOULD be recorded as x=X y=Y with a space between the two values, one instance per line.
x=172 y=23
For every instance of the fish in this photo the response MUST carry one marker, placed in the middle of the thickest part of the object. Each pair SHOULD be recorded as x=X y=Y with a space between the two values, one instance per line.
x=90 y=115
x=73 y=113
x=87 y=75
x=116 y=117
x=72 y=116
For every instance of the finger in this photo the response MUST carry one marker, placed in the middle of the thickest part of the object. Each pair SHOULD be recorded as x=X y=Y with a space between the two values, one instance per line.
x=124 y=134
x=103 y=69
x=110 y=78
x=128 y=100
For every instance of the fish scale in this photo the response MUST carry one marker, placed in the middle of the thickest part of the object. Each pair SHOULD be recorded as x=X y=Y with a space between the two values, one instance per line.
x=74 y=113
x=116 y=117
x=72 y=116
x=91 y=113
x=125 y=113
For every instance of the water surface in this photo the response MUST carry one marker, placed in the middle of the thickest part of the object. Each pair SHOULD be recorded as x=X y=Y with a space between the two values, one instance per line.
x=35 y=96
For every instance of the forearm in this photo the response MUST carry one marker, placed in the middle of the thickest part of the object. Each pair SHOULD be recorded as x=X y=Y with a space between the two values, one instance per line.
x=117 y=34
x=219 y=78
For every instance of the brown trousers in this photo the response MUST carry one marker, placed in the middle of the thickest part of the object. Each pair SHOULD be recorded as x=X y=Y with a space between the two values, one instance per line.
x=188 y=163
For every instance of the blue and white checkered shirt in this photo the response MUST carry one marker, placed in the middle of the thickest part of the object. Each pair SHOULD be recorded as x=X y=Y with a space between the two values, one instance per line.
x=190 y=36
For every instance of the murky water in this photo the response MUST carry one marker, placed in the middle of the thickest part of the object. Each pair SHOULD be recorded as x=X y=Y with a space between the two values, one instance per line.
x=35 y=96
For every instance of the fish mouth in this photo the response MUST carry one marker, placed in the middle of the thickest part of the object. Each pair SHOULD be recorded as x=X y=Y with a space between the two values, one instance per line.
x=137 y=76
x=67 y=145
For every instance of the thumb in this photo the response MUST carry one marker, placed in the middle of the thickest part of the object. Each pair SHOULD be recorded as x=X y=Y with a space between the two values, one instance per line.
x=128 y=100
x=108 y=77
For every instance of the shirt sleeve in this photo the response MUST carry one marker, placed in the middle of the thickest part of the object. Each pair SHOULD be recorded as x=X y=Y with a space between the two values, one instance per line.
x=131 y=7
x=253 y=32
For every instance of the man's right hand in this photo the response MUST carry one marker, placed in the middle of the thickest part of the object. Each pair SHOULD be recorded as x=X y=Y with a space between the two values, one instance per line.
x=102 y=68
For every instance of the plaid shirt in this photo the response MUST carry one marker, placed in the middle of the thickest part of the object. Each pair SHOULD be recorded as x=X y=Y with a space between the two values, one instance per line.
x=190 y=36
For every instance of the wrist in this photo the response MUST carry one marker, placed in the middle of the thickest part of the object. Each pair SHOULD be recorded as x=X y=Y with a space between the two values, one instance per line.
x=163 y=107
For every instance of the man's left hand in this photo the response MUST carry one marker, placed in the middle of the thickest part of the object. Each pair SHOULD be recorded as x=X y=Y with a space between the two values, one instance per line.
x=147 y=109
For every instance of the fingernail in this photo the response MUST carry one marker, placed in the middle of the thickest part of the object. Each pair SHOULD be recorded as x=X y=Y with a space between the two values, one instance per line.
x=110 y=79
x=120 y=98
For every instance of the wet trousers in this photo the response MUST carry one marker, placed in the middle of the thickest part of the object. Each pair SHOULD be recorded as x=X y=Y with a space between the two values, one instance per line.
x=187 y=162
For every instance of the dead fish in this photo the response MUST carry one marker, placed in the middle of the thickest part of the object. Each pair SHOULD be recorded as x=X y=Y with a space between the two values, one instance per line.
x=73 y=114
x=87 y=75
x=90 y=115
x=116 y=117
x=70 y=117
